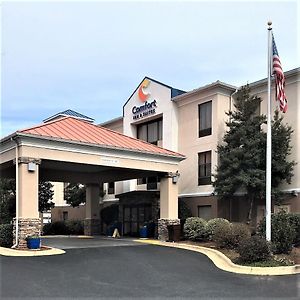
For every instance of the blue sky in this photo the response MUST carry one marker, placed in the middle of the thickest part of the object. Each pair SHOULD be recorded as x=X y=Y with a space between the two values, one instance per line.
x=90 y=56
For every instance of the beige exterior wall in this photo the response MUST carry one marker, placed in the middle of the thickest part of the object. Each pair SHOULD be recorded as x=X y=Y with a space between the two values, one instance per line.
x=58 y=196
x=28 y=192
x=74 y=213
x=190 y=144
x=291 y=117
x=116 y=125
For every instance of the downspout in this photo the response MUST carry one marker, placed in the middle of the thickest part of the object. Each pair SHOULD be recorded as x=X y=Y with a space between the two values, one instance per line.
x=230 y=107
x=231 y=97
x=17 y=194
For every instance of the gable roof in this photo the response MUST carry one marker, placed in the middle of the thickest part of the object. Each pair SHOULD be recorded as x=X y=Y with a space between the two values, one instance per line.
x=174 y=92
x=81 y=132
x=71 y=113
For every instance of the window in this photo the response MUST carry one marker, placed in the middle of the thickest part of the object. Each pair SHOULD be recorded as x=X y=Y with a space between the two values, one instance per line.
x=204 y=168
x=204 y=212
x=142 y=180
x=205 y=116
x=150 y=132
x=111 y=188
x=65 y=215
x=150 y=181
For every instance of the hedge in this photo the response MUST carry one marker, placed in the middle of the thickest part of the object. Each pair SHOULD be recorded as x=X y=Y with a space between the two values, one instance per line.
x=195 y=228
x=63 y=228
x=283 y=231
x=6 y=235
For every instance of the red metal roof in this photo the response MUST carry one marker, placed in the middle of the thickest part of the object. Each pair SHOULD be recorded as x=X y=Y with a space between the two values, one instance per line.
x=75 y=130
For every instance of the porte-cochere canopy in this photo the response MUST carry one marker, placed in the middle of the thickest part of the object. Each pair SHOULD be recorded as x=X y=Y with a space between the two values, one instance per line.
x=72 y=150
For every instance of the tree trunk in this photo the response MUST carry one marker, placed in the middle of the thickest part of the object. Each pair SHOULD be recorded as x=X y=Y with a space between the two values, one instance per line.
x=250 y=209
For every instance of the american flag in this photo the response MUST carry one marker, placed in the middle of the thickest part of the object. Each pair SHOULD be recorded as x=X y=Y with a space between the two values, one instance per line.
x=279 y=78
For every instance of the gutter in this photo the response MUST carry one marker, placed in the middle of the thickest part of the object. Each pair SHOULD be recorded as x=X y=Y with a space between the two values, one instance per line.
x=231 y=98
x=17 y=193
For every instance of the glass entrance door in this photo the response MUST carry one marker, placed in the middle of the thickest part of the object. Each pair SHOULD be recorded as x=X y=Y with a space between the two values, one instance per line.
x=134 y=218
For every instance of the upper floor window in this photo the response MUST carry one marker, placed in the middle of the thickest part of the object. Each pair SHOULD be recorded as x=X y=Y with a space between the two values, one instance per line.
x=150 y=132
x=111 y=188
x=204 y=165
x=205 y=116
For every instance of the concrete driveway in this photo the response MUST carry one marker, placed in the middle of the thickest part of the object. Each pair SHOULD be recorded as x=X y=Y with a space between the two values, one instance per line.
x=133 y=271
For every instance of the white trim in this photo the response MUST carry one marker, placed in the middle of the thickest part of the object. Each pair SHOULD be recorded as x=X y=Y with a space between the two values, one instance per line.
x=96 y=150
x=110 y=200
x=297 y=190
x=206 y=194
x=6 y=150
x=201 y=194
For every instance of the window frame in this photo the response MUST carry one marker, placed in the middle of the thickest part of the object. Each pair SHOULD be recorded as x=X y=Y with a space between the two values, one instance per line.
x=110 y=188
x=159 y=130
x=207 y=130
x=204 y=180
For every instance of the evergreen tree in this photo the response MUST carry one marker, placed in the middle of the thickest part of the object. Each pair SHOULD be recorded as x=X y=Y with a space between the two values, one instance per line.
x=242 y=155
x=282 y=168
x=75 y=194
x=45 y=196
x=8 y=198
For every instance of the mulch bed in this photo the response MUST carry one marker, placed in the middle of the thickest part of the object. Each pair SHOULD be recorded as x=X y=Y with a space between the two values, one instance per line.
x=43 y=248
x=293 y=257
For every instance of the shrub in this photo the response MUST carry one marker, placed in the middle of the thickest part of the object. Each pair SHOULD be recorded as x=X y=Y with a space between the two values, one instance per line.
x=213 y=224
x=295 y=222
x=283 y=232
x=194 y=228
x=58 y=227
x=110 y=214
x=231 y=235
x=74 y=227
x=6 y=235
x=254 y=249
x=184 y=211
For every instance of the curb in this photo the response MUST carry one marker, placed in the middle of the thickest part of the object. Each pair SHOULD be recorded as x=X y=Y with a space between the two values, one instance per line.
x=224 y=263
x=67 y=236
x=24 y=253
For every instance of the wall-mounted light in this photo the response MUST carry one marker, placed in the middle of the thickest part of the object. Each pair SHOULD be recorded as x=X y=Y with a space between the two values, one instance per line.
x=175 y=177
x=31 y=167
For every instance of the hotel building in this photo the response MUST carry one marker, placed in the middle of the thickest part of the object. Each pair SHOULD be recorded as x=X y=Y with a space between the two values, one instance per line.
x=191 y=123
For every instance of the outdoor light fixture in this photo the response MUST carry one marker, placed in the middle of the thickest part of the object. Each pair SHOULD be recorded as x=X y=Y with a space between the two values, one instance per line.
x=175 y=177
x=31 y=167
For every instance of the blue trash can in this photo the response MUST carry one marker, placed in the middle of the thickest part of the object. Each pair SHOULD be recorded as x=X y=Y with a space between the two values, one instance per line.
x=33 y=243
x=144 y=232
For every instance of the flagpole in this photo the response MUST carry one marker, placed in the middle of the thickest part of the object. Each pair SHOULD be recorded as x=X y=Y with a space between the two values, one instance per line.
x=269 y=139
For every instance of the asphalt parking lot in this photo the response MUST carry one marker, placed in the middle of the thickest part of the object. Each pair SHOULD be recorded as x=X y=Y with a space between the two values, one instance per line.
x=124 y=269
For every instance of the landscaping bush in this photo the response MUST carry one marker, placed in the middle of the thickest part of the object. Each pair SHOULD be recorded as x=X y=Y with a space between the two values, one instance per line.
x=195 y=228
x=283 y=232
x=213 y=224
x=55 y=228
x=184 y=211
x=254 y=249
x=6 y=235
x=231 y=235
x=74 y=227
x=295 y=222
x=110 y=214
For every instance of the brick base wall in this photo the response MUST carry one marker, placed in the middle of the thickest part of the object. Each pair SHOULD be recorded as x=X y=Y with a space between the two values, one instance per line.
x=92 y=227
x=163 y=233
x=27 y=227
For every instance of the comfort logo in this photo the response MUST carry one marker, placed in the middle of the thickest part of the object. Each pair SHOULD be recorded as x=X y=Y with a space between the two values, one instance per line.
x=142 y=95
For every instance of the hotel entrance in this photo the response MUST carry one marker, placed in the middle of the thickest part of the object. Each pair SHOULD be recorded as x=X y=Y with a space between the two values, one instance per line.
x=135 y=217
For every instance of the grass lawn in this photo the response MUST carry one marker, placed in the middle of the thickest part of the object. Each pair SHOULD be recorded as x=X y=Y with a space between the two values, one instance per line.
x=277 y=260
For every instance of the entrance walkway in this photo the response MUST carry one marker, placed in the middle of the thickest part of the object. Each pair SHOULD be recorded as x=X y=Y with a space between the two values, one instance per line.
x=69 y=242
